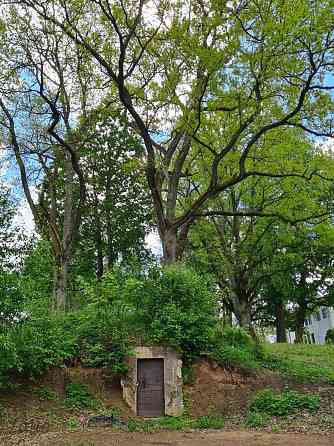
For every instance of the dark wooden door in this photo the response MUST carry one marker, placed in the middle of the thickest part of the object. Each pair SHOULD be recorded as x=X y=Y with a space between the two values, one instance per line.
x=150 y=396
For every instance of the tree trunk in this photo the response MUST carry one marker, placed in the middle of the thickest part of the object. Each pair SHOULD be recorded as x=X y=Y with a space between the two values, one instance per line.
x=98 y=244
x=60 y=284
x=242 y=312
x=173 y=242
x=300 y=321
x=280 y=322
x=169 y=246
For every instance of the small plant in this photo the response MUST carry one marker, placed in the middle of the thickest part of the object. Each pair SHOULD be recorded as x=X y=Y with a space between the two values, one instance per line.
x=330 y=336
x=275 y=404
x=78 y=397
x=72 y=424
x=214 y=421
x=45 y=393
x=256 y=419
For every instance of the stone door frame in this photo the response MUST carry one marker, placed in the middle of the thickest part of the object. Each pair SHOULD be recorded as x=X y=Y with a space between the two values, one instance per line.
x=172 y=378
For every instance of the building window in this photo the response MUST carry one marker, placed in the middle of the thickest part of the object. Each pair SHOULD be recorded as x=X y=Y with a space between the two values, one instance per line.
x=317 y=316
x=324 y=312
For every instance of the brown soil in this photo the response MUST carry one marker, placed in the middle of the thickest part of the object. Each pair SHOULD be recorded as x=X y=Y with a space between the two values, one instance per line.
x=24 y=413
x=225 y=391
x=109 y=438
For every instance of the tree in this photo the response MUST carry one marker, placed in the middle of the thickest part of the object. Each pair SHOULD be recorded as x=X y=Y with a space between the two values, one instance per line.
x=302 y=271
x=240 y=247
x=41 y=85
x=8 y=231
x=117 y=214
x=206 y=82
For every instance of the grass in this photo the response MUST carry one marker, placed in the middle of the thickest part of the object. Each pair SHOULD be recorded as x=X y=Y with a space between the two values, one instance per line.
x=272 y=403
x=213 y=421
x=303 y=362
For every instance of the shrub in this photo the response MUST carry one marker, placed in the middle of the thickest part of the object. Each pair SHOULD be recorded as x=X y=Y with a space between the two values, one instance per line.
x=233 y=347
x=104 y=336
x=45 y=393
x=209 y=422
x=330 y=336
x=275 y=404
x=32 y=346
x=170 y=306
x=256 y=419
x=79 y=397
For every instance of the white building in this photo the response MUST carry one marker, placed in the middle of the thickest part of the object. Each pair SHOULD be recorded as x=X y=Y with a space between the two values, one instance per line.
x=317 y=324
x=316 y=327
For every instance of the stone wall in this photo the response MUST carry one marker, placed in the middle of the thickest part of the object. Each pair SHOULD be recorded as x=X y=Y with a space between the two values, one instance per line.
x=172 y=376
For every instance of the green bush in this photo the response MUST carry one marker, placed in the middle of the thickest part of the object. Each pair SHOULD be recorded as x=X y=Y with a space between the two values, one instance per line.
x=285 y=403
x=170 y=306
x=30 y=347
x=330 y=336
x=105 y=336
x=209 y=422
x=235 y=348
x=256 y=419
x=79 y=397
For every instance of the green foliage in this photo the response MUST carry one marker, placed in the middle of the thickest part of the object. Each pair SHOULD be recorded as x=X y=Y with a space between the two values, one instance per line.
x=235 y=348
x=79 y=397
x=172 y=306
x=72 y=424
x=104 y=335
x=213 y=421
x=34 y=344
x=37 y=273
x=285 y=403
x=304 y=363
x=330 y=336
x=256 y=419
x=45 y=393
x=11 y=297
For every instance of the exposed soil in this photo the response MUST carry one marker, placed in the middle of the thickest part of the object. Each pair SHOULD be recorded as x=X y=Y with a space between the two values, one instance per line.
x=23 y=413
x=225 y=391
x=109 y=438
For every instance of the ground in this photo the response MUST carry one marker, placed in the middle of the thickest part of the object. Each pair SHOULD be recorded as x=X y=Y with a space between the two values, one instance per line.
x=105 y=437
x=35 y=414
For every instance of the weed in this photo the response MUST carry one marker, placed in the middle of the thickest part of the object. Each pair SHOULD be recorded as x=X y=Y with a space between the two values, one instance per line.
x=275 y=404
x=72 y=424
x=256 y=419
x=45 y=393
x=214 y=421
x=78 y=397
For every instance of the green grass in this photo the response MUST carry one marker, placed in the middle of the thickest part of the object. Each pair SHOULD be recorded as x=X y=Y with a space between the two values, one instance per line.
x=303 y=362
x=272 y=403
x=214 y=421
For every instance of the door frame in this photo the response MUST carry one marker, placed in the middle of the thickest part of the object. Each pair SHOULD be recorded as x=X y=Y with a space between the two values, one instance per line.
x=163 y=382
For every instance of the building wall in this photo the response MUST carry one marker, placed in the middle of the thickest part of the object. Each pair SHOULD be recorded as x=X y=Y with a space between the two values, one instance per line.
x=318 y=328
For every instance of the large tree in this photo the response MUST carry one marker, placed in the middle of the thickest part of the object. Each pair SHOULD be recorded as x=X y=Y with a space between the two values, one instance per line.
x=206 y=82
x=240 y=248
x=42 y=93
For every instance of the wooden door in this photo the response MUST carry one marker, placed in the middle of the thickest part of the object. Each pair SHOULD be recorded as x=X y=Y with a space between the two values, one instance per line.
x=150 y=394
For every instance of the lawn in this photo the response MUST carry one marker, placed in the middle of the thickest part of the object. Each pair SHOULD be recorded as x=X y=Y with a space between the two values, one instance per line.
x=304 y=362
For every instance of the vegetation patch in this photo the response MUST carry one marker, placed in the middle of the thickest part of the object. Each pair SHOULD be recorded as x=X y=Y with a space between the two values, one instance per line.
x=213 y=421
x=304 y=363
x=271 y=403
x=234 y=348
x=79 y=397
